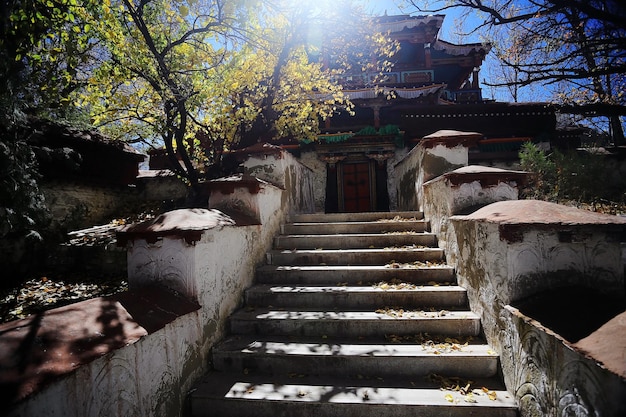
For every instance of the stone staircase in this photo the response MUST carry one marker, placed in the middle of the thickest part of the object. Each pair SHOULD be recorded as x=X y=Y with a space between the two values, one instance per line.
x=354 y=315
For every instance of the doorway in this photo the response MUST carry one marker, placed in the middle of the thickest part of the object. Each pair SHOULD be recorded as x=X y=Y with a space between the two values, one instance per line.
x=356 y=187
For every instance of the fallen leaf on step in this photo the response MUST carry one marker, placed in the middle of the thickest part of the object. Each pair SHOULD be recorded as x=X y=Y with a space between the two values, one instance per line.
x=469 y=398
x=492 y=395
x=449 y=398
x=302 y=393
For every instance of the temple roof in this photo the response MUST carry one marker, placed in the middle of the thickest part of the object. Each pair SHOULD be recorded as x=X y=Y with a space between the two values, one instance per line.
x=407 y=93
x=375 y=92
x=398 y=23
x=461 y=50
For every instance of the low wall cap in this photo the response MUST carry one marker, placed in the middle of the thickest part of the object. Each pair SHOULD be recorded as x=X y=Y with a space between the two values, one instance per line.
x=607 y=345
x=541 y=212
x=486 y=175
x=450 y=138
x=447 y=134
x=479 y=169
x=260 y=148
x=227 y=185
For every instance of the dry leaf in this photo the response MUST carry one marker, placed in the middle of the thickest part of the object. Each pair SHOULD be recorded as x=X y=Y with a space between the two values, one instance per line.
x=469 y=398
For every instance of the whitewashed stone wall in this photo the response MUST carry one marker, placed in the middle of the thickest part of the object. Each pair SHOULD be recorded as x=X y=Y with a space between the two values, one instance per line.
x=462 y=190
x=436 y=154
x=283 y=170
x=512 y=249
x=318 y=169
x=208 y=257
x=504 y=254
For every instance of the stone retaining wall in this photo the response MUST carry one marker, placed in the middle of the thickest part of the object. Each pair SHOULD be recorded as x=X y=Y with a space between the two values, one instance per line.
x=509 y=251
x=139 y=353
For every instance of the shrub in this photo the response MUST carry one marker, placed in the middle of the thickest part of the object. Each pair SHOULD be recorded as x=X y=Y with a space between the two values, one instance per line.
x=585 y=176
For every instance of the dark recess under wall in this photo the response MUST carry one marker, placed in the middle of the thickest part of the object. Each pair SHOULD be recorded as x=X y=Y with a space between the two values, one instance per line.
x=572 y=312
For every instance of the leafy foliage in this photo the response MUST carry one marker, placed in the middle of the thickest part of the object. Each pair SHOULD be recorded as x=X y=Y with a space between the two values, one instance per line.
x=44 y=49
x=204 y=77
x=23 y=214
x=586 y=176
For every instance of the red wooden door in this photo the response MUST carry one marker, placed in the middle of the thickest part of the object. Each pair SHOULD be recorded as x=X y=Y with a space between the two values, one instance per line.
x=356 y=187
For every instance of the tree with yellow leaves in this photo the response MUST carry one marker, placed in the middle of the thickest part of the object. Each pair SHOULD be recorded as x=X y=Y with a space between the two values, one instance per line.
x=228 y=72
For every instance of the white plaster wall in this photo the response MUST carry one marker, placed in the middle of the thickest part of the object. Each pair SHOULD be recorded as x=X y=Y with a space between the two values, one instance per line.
x=167 y=262
x=405 y=176
x=270 y=168
x=437 y=161
x=286 y=172
x=240 y=200
x=496 y=272
x=593 y=261
x=474 y=194
x=421 y=165
x=547 y=377
x=392 y=179
x=148 y=378
x=153 y=376
x=438 y=202
x=457 y=155
x=442 y=200
x=319 y=177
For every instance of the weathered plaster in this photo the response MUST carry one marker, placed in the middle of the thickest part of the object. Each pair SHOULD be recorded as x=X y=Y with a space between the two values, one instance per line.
x=548 y=376
x=319 y=175
x=281 y=169
x=200 y=255
x=421 y=165
x=400 y=154
x=464 y=190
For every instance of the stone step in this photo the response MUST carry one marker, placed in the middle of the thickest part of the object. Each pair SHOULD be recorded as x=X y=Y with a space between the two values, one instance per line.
x=340 y=324
x=356 y=217
x=279 y=355
x=354 y=241
x=240 y=395
x=347 y=323
x=353 y=275
x=353 y=256
x=358 y=297
x=311 y=228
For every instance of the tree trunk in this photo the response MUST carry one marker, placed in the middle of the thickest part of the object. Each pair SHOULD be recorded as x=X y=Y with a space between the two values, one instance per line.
x=617 y=130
